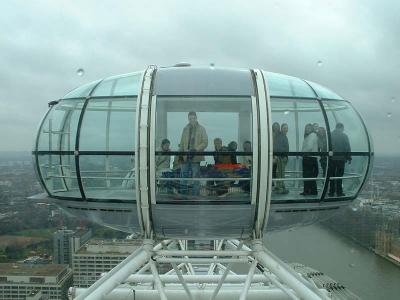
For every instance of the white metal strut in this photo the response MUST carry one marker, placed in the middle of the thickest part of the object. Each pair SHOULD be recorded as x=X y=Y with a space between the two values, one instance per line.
x=140 y=275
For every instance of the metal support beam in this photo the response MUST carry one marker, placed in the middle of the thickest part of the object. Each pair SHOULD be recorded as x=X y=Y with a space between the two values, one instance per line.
x=249 y=279
x=172 y=278
x=179 y=274
x=198 y=294
x=202 y=253
x=226 y=272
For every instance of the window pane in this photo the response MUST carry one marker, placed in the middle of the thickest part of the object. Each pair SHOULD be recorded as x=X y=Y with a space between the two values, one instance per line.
x=298 y=126
x=82 y=91
x=59 y=175
x=108 y=177
x=287 y=86
x=109 y=125
x=323 y=92
x=123 y=85
x=342 y=112
x=221 y=125
x=347 y=177
x=58 y=131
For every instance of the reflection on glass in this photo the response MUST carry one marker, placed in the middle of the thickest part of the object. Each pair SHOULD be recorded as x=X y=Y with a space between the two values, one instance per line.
x=190 y=126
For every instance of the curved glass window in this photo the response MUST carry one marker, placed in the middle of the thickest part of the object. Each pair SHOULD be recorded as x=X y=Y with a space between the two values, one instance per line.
x=122 y=85
x=350 y=146
x=110 y=177
x=109 y=125
x=343 y=112
x=323 y=92
x=82 y=91
x=107 y=144
x=286 y=86
x=58 y=131
x=346 y=175
x=300 y=149
x=203 y=148
x=56 y=142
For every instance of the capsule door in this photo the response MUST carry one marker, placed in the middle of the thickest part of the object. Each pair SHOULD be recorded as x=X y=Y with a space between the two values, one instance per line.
x=201 y=164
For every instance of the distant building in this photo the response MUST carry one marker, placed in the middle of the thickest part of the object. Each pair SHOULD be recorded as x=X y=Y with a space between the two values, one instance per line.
x=66 y=242
x=20 y=281
x=100 y=256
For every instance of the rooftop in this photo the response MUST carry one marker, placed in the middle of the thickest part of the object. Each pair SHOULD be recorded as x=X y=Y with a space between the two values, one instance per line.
x=18 y=269
x=112 y=246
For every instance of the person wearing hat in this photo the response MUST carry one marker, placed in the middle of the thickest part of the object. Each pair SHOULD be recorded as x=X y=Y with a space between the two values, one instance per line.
x=193 y=139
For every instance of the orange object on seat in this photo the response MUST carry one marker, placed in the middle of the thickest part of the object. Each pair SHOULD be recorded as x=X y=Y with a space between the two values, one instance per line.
x=228 y=166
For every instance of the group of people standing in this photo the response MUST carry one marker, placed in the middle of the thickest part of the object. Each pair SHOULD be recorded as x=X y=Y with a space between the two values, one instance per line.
x=315 y=140
x=194 y=139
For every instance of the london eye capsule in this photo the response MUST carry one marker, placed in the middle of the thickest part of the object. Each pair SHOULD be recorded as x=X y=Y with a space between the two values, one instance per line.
x=187 y=152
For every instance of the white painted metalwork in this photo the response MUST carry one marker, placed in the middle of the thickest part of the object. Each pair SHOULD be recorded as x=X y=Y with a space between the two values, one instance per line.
x=173 y=278
x=268 y=277
x=141 y=162
x=265 y=155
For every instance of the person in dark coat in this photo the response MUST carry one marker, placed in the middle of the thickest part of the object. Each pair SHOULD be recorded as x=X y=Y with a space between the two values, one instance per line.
x=282 y=145
x=341 y=146
x=276 y=129
x=322 y=147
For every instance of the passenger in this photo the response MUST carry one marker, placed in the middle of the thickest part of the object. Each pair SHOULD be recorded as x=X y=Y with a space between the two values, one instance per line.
x=340 y=143
x=316 y=127
x=276 y=129
x=163 y=166
x=220 y=158
x=178 y=161
x=322 y=147
x=232 y=147
x=163 y=162
x=310 y=164
x=282 y=145
x=221 y=187
x=193 y=139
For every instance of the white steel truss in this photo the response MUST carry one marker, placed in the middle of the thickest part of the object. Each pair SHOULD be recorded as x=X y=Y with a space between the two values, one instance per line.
x=201 y=274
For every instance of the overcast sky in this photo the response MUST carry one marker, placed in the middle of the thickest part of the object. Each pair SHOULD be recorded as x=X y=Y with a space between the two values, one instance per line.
x=43 y=43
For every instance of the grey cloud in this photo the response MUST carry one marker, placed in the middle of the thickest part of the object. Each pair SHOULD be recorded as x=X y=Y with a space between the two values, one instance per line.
x=43 y=43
